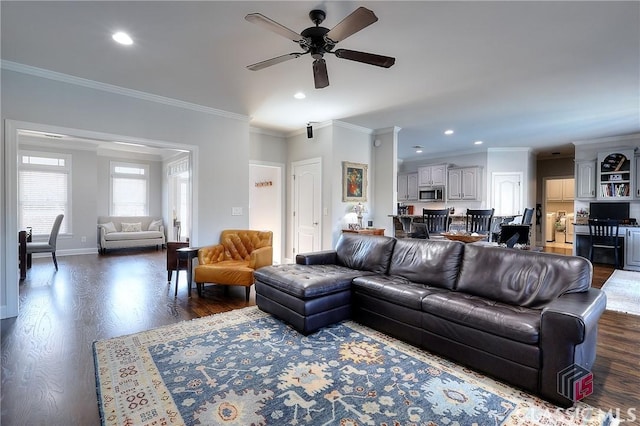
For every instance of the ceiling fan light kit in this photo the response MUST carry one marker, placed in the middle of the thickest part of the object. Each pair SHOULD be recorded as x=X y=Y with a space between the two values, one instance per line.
x=317 y=41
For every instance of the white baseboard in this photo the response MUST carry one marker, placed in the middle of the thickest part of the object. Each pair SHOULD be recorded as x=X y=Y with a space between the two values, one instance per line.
x=68 y=252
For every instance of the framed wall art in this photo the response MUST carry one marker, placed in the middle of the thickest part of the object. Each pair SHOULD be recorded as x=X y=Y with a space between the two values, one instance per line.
x=354 y=181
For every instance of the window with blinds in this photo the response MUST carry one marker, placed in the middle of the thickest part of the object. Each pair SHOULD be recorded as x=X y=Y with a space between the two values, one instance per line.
x=129 y=189
x=44 y=191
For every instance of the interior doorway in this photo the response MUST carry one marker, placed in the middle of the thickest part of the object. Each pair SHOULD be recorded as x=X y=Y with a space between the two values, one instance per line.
x=558 y=212
x=266 y=202
x=9 y=231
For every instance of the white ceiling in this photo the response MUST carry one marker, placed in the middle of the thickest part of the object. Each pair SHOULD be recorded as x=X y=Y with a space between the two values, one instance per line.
x=514 y=74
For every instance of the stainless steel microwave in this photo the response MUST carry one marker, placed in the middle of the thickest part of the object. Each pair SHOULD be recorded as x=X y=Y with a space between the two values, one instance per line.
x=432 y=194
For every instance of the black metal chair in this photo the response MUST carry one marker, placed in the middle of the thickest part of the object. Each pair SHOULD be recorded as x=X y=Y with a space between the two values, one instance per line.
x=479 y=221
x=419 y=230
x=508 y=231
x=603 y=234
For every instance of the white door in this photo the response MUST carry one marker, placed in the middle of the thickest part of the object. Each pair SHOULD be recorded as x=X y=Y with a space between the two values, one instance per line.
x=307 y=206
x=266 y=203
x=506 y=191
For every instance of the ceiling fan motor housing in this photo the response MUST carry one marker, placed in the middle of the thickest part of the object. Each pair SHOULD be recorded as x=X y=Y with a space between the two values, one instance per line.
x=318 y=46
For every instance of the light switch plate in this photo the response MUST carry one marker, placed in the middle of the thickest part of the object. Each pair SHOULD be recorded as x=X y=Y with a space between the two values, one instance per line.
x=236 y=211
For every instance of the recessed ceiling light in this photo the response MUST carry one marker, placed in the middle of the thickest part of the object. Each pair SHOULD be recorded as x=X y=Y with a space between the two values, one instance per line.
x=418 y=151
x=448 y=132
x=122 y=38
x=299 y=95
x=478 y=142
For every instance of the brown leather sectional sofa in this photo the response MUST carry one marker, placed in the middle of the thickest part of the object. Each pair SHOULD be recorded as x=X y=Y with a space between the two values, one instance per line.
x=519 y=316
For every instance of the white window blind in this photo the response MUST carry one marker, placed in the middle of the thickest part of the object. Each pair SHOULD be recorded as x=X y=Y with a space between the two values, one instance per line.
x=43 y=191
x=129 y=189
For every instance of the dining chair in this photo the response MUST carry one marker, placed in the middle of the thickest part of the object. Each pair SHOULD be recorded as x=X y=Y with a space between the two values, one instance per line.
x=436 y=221
x=527 y=216
x=479 y=221
x=603 y=234
x=50 y=246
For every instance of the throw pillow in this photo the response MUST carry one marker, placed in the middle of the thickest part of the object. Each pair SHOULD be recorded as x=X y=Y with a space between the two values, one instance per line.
x=131 y=227
x=108 y=227
x=155 y=225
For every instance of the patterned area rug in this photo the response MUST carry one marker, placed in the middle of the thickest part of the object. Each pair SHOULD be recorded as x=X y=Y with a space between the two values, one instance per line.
x=623 y=292
x=245 y=367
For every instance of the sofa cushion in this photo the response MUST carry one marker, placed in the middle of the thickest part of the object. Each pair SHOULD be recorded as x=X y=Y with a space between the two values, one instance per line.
x=233 y=272
x=431 y=262
x=512 y=322
x=155 y=225
x=142 y=235
x=521 y=277
x=131 y=227
x=308 y=281
x=109 y=227
x=399 y=290
x=365 y=252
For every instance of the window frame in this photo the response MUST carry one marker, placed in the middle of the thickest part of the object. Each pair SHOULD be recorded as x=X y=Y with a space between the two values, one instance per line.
x=114 y=175
x=67 y=169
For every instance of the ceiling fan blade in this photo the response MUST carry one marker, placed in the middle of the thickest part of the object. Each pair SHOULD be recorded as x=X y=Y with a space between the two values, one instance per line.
x=367 y=58
x=320 y=75
x=273 y=61
x=359 y=19
x=271 y=25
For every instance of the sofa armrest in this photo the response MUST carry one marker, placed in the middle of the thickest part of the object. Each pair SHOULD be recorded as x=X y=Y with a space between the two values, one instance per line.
x=261 y=257
x=568 y=336
x=210 y=254
x=101 y=234
x=325 y=257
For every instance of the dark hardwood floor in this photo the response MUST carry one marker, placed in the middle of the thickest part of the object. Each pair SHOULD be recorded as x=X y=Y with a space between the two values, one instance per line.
x=47 y=362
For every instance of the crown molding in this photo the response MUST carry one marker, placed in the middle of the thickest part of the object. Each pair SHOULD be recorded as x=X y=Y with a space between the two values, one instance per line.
x=608 y=139
x=353 y=127
x=267 y=132
x=110 y=88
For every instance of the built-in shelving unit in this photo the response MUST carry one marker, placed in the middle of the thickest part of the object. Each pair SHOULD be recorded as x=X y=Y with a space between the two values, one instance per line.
x=615 y=175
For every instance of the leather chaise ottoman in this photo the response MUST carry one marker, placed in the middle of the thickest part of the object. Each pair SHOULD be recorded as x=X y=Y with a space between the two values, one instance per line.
x=308 y=297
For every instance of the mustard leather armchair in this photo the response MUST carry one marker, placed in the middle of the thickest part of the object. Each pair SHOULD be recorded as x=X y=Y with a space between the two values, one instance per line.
x=233 y=260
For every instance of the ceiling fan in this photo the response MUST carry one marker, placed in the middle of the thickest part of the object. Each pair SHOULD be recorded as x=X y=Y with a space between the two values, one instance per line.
x=320 y=40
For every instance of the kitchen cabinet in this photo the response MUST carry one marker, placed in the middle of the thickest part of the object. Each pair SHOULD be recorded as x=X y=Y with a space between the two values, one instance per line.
x=632 y=249
x=560 y=189
x=432 y=175
x=615 y=175
x=463 y=183
x=586 y=179
x=408 y=187
x=637 y=170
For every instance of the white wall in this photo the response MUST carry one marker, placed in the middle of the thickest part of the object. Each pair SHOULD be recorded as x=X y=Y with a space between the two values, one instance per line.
x=222 y=142
x=385 y=178
x=352 y=144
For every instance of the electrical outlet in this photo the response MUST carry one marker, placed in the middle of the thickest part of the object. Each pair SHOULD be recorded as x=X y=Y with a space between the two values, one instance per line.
x=236 y=211
x=83 y=239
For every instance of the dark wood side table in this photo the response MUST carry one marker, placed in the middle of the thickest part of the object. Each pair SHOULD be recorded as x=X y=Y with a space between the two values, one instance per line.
x=24 y=237
x=185 y=254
